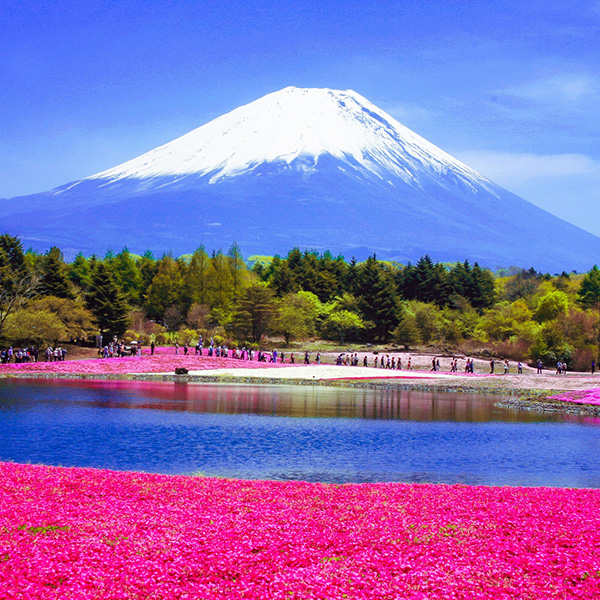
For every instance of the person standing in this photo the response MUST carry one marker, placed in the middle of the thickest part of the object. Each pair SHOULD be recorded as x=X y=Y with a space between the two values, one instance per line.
x=593 y=367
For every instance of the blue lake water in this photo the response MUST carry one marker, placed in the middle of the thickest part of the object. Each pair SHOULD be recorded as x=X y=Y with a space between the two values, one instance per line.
x=283 y=432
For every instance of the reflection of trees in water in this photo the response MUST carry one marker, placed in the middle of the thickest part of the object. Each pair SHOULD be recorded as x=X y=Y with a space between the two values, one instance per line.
x=290 y=400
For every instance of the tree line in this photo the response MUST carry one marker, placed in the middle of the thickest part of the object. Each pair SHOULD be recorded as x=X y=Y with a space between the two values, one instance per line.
x=517 y=313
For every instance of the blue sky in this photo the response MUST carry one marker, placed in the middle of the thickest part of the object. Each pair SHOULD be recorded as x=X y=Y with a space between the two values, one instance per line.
x=510 y=87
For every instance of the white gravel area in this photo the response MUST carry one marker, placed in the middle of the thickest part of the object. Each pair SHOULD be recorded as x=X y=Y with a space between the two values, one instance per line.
x=323 y=372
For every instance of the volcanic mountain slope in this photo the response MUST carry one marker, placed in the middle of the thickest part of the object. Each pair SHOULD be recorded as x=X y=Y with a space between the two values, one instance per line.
x=313 y=168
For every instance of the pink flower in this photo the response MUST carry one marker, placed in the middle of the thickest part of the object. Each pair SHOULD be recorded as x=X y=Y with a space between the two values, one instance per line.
x=82 y=533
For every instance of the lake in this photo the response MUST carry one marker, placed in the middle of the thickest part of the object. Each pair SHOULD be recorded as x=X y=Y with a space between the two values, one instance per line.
x=283 y=432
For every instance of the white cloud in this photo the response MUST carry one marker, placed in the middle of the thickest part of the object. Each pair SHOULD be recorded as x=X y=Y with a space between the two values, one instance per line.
x=408 y=113
x=564 y=89
x=567 y=185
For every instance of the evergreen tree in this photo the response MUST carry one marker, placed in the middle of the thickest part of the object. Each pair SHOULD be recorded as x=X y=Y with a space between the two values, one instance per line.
x=12 y=251
x=79 y=271
x=165 y=289
x=17 y=282
x=196 y=279
x=148 y=267
x=220 y=283
x=54 y=280
x=281 y=277
x=589 y=292
x=107 y=303
x=377 y=299
x=431 y=282
x=256 y=311
x=484 y=293
x=238 y=270
x=127 y=275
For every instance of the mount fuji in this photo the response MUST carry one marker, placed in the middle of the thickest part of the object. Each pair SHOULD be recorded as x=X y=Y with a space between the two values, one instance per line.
x=314 y=168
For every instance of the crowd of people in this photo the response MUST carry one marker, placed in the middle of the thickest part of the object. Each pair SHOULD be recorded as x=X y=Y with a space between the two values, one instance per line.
x=382 y=361
x=19 y=355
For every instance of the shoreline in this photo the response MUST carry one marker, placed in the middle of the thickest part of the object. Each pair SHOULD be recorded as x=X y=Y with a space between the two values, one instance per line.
x=525 y=391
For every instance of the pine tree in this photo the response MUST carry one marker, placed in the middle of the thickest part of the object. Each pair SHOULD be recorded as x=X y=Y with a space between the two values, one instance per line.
x=220 y=283
x=484 y=293
x=238 y=270
x=148 y=266
x=107 y=303
x=165 y=289
x=54 y=281
x=256 y=311
x=281 y=277
x=80 y=271
x=377 y=298
x=589 y=292
x=195 y=279
x=127 y=275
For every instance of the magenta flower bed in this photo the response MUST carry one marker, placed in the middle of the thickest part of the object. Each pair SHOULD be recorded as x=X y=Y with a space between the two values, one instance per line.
x=591 y=396
x=159 y=363
x=79 y=534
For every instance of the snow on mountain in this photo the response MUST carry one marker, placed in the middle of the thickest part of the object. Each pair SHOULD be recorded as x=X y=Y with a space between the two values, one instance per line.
x=314 y=168
x=293 y=124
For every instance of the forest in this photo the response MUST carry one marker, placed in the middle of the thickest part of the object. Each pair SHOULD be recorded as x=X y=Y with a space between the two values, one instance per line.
x=301 y=298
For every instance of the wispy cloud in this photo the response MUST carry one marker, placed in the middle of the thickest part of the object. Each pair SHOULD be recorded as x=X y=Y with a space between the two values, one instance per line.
x=567 y=185
x=511 y=169
x=568 y=87
x=559 y=92
x=408 y=113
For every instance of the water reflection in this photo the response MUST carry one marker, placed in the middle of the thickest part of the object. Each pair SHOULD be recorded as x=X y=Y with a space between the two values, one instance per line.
x=308 y=401
x=293 y=432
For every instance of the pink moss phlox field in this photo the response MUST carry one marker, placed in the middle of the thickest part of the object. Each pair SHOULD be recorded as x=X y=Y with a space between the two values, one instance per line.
x=591 y=396
x=83 y=534
x=159 y=363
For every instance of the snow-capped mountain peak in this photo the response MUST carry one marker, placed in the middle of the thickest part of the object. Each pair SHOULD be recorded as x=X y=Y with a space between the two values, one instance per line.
x=297 y=126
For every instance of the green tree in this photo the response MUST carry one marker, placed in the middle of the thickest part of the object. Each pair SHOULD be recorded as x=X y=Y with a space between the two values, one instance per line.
x=377 y=299
x=17 y=283
x=196 y=279
x=239 y=271
x=551 y=305
x=127 y=275
x=220 y=283
x=26 y=326
x=407 y=332
x=165 y=289
x=256 y=311
x=79 y=271
x=344 y=322
x=297 y=315
x=589 y=292
x=54 y=280
x=107 y=303
x=78 y=321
